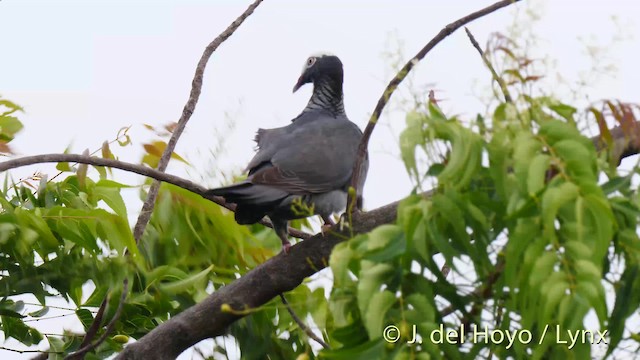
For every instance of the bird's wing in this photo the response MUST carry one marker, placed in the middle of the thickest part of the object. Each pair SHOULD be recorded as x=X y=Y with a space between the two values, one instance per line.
x=312 y=155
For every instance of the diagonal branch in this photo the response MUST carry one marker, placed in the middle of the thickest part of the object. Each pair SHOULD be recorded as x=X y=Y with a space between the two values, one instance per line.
x=400 y=76
x=281 y=273
x=301 y=324
x=494 y=74
x=95 y=324
x=79 y=354
x=189 y=107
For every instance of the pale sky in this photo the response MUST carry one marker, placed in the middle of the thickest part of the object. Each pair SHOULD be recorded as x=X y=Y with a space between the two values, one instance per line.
x=84 y=69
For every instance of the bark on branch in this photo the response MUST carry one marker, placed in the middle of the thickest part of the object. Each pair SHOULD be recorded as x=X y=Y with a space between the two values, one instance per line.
x=281 y=273
x=277 y=275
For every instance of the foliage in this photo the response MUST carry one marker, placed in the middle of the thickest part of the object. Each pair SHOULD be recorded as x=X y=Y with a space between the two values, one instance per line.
x=527 y=211
x=535 y=225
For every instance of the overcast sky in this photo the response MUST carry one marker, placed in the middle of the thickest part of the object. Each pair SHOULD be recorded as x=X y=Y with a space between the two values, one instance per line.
x=84 y=69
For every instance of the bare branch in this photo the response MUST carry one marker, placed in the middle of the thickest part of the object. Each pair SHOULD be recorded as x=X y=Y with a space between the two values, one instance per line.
x=496 y=77
x=302 y=325
x=189 y=108
x=138 y=169
x=95 y=325
x=79 y=354
x=401 y=75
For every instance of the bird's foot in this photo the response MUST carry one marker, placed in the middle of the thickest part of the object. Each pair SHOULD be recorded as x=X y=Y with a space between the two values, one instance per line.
x=328 y=223
x=343 y=221
x=286 y=246
x=324 y=229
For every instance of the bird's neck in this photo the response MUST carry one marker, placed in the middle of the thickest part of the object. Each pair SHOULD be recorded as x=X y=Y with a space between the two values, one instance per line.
x=327 y=95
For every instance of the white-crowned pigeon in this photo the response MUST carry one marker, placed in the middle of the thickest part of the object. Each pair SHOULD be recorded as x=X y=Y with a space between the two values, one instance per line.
x=307 y=163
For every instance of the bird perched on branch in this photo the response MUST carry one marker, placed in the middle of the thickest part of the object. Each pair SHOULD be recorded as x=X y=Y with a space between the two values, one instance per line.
x=304 y=168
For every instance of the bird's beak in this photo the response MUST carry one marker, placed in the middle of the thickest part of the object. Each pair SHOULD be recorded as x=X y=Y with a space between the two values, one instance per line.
x=301 y=81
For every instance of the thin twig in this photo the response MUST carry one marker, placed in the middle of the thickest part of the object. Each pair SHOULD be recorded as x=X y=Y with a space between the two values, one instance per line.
x=445 y=270
x=135 y=168
x=401 y=75
x=302 y=325
x=494 y=74
x=44 y=353
x=79 y=354
x=105 y=143
x=187 y=111
x=483 y=291
x=95 y=325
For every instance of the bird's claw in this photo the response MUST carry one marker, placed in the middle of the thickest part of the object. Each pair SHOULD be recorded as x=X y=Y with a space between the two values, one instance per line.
x=343 y=222
x=286 y=246
x=324 y=229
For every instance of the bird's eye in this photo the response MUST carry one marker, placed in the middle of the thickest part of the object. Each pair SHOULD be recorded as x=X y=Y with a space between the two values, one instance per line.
x=311 y=61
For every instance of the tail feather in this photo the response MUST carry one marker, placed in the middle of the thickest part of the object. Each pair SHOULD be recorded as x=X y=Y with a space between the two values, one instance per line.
x=248 y=193
x=249 y=214
x=253 y=201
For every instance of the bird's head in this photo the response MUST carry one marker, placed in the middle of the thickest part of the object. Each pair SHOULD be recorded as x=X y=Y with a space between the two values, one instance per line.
x=320 y=66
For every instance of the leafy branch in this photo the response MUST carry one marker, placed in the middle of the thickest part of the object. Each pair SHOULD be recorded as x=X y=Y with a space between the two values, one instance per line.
x=401 y=75
x=134 y=168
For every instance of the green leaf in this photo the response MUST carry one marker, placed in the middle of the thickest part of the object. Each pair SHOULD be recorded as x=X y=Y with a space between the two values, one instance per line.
x=410 y=138
x=372 y=276
x=63 y=166
x=9 y=127
x=375 y=317
x=552 y=200
x=542 y=268
x=96 y=297
x=616 y=184
x=13 y=107
x=627 y=302
x=39 y=313
x=552 y=298
x=538 y=173
x=188 y=283
x=565 y=111
x=385 y=243
x=15 y=328
x=111 y=196
x=86 y=317
x=366 y=351
x=339 y=260
x=578 y=159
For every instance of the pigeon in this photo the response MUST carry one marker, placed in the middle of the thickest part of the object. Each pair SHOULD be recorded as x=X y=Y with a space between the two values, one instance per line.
x=304 y=168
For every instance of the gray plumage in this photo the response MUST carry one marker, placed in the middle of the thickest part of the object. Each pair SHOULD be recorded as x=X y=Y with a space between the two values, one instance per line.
x=308 y=162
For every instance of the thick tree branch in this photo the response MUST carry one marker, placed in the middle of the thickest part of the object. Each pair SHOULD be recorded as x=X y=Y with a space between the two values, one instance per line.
x=277 y=275
x=138 y=169
x=400 y=76
x=196 y=87
x=189 y=107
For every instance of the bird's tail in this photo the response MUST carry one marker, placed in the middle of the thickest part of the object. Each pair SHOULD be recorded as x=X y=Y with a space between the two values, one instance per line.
x=247 y=193
x=253 y=201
